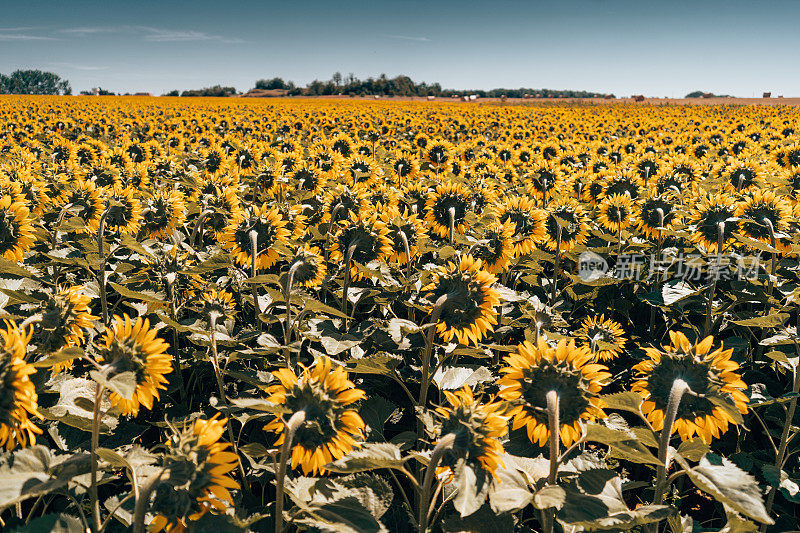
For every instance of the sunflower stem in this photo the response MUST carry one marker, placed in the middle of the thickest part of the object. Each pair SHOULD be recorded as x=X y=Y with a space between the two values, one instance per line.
x=713 y=289
x=93 y=497
x=222 y=396
x=556 y=265
x=346 y=287
x=781 y=455
x=679 y=387
x=335 y=212
x=426 y=360
x=253 y=234
x=444 y=444
x=660 y=212
x=55 y=271
x=294 y=422
x=451 y=215
x=101 y=275
x=554 y=424
x=407 y=248
x=140 y=508
x=175 y=342
x=287 y=295
x=198 y=226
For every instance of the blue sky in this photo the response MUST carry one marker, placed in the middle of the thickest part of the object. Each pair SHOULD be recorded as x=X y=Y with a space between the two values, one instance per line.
x=625 y=47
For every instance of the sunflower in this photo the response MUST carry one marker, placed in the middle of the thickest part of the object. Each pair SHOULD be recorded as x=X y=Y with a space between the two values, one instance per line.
x=330 y=429
x=87 y=201
x=714 y=218
x=446 y=199
x=310 y=269
x=164 y=212
x=761 y=211
x=468 y=312
x=309 y=177
x=401 y=224
x=604 y=337
x=415 y=195
x=496 y=248
x=477 y=427
x=405 y=166
x=625 y=182
x=18 y=397
x=270 y=230
x=367 y=237
x=16 y=229
x=64 y=317
x=569 y=215
x=343 y=202
x=617 y=212
x=197 y=482
x=222 y=206
x=658 y=212
x=527 y=221
x=124 y=212
x=134 y=347
x=217 y=301
x=715 y=387
x=535 y=370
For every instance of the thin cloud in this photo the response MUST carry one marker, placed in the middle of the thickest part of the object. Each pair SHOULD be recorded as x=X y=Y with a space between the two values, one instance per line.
x=410 y=38
x=24 y=37
x=73 y=66
x=152 y=34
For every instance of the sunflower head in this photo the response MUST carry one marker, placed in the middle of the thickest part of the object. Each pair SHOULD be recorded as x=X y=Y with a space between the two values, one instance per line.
x=309 y=267
x=134 y=347
x=566 y=217
x=535 y=370
x=467 y=311
x=528 y=222
x=715 y=388
x=477 y=427
x=197 y=481
x=163 y=213
x=496 y=248
x=65 y=315
x=266 y=226
x=363 y=239
x=658 y=212
x=16 y=229
x=217 y=302
x=18 y=395
x=715 y=222
x=604 y=337
x=330 y=428
x=762 y=215
x=449 y=200
x=617 y=212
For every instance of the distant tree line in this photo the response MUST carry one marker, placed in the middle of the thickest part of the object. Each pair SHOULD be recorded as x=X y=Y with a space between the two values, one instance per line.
x=701 y=94
x=33 y=82
x=382 y=85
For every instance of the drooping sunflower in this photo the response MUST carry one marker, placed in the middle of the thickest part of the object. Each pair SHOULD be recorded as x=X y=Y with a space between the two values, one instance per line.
x=341 y=202
x=713 y=218
x=65 y=315
x=217 y=301
x=401 y=224
x=134 y=347
x=197 y=481
x=330 y=429
x=18 y=397
x=163 y=213
x=86 y=200
x=604 y=337
x=617 y=212
x=368 y=238
x=761 y=211
x=496 y=248
x=269 y=229
x=715 y=387
x=16 y=229
x=477 y=427
x=528 y=222
x=535 y=370
x=310 y=267
x=446 y=199
x=468 y=311
x=658 y=213
x=570 y=216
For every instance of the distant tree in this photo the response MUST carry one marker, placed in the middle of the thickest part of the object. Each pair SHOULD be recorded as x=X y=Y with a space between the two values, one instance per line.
x=274 y=83
x=695 y=94
x=174 y=92
x=337 y=79
x=33 y=82
x=216 y=90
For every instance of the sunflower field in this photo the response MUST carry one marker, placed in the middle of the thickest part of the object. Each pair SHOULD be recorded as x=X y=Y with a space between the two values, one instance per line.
x=349 y=316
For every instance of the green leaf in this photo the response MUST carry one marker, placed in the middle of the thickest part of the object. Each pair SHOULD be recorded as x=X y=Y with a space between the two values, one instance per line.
x=728 y=484
x=549 y=496
x=381 y=363
x=471 y=486
x=624 y=444
x=482 y=521
x=456 y=377
x=370 y=456
x=65 y=354
x=32 y=472
x=693 y=449
x=145 y=296
x=765 y=321
x=624 y=401
x=52 y=523
x=123 y=383
x=510 y=491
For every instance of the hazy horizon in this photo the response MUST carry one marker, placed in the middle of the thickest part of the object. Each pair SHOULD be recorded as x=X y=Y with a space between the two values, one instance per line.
x=610 y=46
